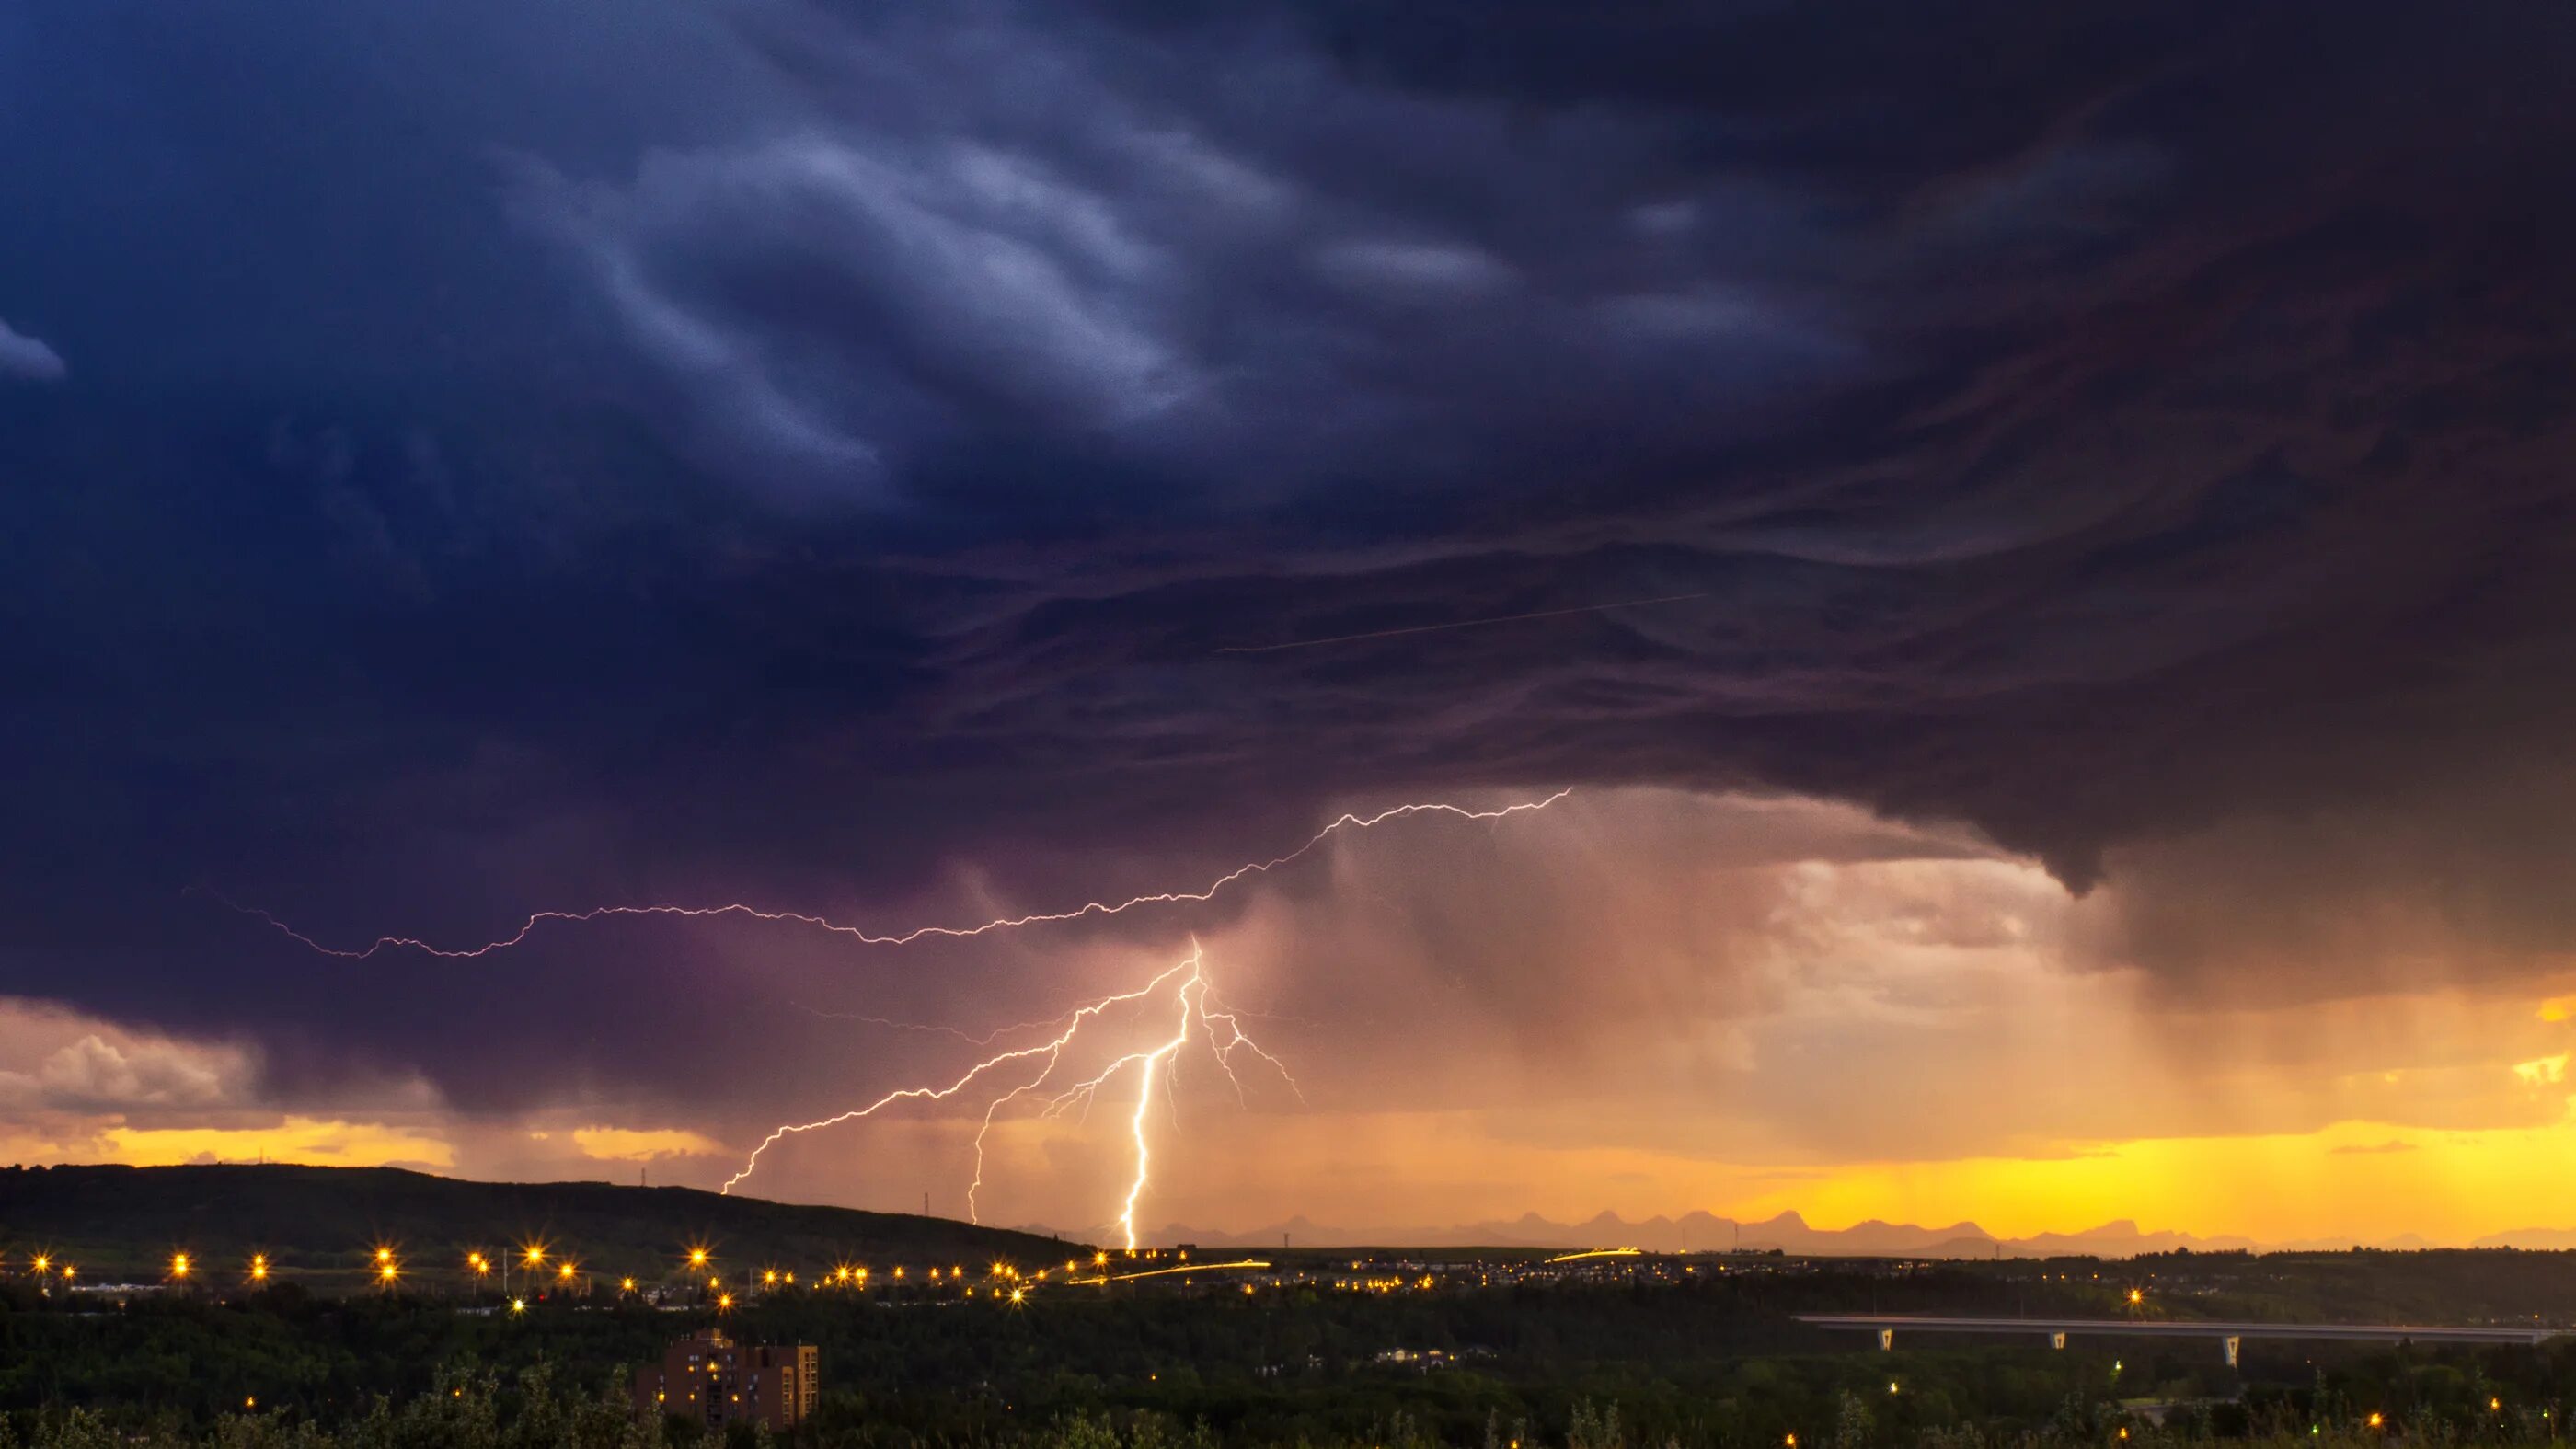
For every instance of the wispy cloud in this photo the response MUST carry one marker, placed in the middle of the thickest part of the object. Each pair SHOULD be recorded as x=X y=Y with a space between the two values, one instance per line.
x=22 y=356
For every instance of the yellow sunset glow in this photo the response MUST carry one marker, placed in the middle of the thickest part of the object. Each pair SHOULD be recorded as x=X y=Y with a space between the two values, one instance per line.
x=309 y=1140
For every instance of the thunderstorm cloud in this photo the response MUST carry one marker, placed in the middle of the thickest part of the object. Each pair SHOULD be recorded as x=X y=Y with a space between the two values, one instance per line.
x=2107 y=471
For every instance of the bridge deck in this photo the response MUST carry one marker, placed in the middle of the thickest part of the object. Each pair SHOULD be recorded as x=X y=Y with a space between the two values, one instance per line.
x=2185 y=1328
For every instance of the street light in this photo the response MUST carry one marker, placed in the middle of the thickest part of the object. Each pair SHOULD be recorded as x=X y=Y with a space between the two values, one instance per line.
x=178 y=1265
x=259 y=1267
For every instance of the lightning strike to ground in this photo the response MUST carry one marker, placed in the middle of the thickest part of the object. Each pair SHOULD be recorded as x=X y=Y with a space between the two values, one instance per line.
x=1190 y=994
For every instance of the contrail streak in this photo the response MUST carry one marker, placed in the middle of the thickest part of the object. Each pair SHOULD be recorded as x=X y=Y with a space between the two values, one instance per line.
x=906 y=938
x=1458 y=624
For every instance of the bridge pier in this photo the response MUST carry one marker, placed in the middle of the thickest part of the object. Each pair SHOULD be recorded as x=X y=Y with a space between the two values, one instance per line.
x=2234 y=1343
x=1887 y=1338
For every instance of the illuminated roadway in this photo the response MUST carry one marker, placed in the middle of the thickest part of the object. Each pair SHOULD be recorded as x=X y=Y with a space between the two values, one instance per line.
x=1885 y=1325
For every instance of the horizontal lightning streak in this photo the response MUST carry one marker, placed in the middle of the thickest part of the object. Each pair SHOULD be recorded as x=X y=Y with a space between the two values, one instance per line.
x=866 y=938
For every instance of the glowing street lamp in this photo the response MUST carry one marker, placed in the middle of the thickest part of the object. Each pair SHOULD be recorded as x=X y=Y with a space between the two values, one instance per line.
x=44 y=1262
x=518 y=1305
x=697 y=1257
x=564 y=1273
x=259 y=1267
x=386 y=1273
x=724 y=1304
x=178 y=1265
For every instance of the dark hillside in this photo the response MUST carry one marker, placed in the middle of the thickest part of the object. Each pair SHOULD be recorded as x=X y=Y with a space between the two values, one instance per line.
x=320 y=1226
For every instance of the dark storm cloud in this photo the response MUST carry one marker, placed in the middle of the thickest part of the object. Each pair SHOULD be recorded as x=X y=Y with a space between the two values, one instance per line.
x=521 y=459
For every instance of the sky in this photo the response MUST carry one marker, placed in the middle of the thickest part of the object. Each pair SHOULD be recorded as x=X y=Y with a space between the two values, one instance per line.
x=2030 y=553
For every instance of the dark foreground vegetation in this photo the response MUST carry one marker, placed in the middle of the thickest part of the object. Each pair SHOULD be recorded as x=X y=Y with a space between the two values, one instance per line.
x=1573 y=1365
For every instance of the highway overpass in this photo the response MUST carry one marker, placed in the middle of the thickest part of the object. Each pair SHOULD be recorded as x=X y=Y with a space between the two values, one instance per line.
x=1886 y=1326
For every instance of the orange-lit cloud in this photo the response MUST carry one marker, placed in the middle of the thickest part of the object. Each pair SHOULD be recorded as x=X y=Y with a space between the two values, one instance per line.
x=628 y=1144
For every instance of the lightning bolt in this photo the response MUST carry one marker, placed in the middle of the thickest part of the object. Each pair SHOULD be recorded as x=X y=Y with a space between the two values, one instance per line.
x=865 y=937
x=1190 y=993
x=1192 y=996
x=1053 y=1051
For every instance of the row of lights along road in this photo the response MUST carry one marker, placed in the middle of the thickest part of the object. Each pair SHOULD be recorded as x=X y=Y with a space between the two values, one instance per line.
x=388 y=1272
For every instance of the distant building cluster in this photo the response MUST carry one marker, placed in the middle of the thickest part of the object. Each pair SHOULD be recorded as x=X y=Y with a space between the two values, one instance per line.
x=711 y=1380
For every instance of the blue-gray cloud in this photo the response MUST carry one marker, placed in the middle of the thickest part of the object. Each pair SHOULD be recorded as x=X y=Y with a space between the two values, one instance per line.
x=27 y=357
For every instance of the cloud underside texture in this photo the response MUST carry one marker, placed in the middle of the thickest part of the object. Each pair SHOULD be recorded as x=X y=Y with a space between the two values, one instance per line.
x=2139 y=436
